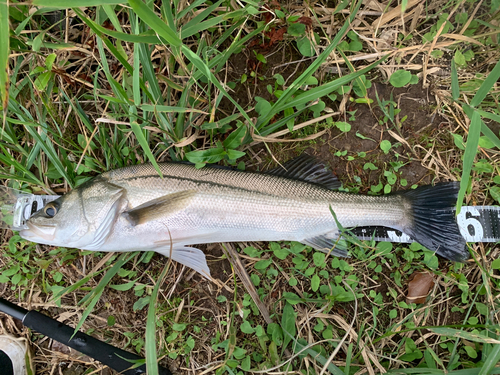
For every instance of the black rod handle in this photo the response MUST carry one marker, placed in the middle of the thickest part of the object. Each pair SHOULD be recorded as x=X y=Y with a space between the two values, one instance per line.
x=117 y=359
x=13 y=310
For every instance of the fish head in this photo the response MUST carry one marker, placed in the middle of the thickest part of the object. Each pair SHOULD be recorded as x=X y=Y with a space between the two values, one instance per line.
x=82 y=218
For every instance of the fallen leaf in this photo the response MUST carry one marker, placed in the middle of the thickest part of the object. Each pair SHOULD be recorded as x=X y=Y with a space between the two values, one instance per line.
x=419 y=287
x=306 y=21
x=275 y=35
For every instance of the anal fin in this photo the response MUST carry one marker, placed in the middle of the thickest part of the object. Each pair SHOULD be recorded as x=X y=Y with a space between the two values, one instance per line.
x=325 y=244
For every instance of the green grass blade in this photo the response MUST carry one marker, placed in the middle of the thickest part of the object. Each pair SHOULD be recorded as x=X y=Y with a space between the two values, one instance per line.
x=153 y=21
x=489 y=133
x=288 y=321
x=166 y=11
x=489 y=115
x=348 y=359
x=136 y=128
x=4 y=53
x=108 y=9
x=131 y=38
x=190 y=31
x=469 y=155
x=166 y=108
x=193 y=5
x=455 y=89
x=150 y=345
x=148 y=72
x=60 y=293
x=196 y=20
x=486 y=86
x=491 y=361
x=64 y=4
x=7 y=159
x=136 y=75
x=484 y=129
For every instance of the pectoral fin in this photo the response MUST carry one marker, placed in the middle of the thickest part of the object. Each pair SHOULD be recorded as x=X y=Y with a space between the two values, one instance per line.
x=190 y=257
x=160 y=207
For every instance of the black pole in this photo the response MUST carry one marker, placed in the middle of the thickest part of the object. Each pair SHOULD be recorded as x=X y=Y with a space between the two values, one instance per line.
x=13 y=310
x=115 y=358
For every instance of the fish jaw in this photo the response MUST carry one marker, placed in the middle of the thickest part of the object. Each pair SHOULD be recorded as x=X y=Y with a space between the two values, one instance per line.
x=43 y=234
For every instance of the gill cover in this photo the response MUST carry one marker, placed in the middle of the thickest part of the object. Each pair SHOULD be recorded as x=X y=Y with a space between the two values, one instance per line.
x=82 y=218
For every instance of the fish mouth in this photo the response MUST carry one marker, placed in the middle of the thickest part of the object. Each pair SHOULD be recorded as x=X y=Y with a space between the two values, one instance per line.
x=45 y=232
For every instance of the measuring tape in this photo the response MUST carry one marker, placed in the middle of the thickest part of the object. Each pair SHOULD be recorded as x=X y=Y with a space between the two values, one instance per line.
x=476 y=223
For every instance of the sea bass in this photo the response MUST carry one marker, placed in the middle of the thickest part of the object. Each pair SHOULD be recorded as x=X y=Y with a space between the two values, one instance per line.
x=133 y=208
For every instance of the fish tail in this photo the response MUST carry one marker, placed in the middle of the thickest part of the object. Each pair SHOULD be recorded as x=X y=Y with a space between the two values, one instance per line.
x=433 y=221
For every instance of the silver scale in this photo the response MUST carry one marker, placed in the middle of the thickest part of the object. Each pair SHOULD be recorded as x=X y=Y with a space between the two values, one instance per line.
x=476 y=223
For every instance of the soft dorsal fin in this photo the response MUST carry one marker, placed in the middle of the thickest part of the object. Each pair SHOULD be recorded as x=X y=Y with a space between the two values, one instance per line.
x=307 y=168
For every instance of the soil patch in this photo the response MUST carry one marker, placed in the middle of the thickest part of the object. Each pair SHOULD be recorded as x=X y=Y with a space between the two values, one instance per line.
x=416 y=122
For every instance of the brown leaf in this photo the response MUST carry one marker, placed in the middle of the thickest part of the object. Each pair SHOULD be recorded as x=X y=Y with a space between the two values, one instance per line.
x=306 y=21
x=276 y=35
x=419 y=287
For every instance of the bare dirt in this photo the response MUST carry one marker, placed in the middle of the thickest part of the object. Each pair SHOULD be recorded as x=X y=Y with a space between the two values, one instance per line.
x=416 y=103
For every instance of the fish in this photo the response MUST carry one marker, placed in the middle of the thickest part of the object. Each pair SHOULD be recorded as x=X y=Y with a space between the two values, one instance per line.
x=135 y=209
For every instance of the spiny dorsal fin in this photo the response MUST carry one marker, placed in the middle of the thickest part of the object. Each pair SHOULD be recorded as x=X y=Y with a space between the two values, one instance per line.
x=160 y=207
x=307 y=168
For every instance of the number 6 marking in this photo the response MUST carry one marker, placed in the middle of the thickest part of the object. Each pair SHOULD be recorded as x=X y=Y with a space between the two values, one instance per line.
x=464 y=222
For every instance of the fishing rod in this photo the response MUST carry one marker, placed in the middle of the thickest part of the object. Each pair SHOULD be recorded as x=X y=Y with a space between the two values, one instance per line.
x=117 y=359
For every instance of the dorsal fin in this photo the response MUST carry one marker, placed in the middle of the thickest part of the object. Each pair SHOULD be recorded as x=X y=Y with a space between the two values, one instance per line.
x=307 y=168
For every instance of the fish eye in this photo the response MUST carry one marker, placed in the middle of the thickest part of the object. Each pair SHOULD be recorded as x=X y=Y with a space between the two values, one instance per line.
x=50 y=210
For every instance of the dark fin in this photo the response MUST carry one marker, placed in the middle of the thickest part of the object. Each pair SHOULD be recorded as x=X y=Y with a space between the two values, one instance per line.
x=307 y=168
x=159 y=207
x=434 y=222
x=325 y=244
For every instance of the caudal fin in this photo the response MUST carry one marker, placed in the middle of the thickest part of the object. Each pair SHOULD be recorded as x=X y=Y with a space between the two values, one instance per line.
x=434 y=223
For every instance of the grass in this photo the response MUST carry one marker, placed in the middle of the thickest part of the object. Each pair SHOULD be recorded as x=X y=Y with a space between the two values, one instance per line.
x=108 y=84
